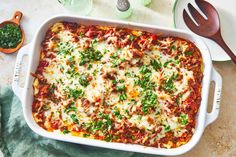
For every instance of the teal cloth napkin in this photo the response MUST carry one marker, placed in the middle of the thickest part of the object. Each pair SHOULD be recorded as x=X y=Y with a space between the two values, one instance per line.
x=18 y=140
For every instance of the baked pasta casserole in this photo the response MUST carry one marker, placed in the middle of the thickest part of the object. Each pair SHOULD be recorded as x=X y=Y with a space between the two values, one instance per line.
x=117 y=85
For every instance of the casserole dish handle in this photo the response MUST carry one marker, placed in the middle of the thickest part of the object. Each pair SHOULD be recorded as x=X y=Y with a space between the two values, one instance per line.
x=17 y=89
x=213 y=115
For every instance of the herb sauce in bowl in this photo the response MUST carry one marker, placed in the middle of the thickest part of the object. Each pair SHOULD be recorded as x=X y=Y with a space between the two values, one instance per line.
x=10 y=36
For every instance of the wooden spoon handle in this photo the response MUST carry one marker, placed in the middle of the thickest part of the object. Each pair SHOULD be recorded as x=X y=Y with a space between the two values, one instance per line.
x=17 y=17
x=218 y=39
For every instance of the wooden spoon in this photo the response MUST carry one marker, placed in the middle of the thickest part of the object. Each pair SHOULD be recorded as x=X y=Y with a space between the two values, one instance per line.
x=15 y=21
x=207 y=27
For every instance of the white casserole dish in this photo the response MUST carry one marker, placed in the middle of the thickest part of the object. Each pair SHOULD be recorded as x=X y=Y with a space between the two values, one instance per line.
x=33 y=51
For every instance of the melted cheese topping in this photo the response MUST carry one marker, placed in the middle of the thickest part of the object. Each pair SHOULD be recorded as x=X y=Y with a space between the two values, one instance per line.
x=94 y=89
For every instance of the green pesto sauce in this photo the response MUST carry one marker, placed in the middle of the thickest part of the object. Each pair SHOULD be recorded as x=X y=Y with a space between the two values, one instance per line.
x=10 y=36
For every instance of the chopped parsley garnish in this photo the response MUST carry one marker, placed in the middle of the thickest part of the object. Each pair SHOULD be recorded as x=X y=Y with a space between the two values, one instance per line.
x=173 y=47
x=90 y=55
x=123 y=96
x=105 y=51
x=81 y=34
x=83 y=80
x=145 y=82
x=156 y=64
x=74 y=118
x=132 y=38
x=52 y=88
x=120 y=88
x=149 y=100
x=122 y=60
x=86 y=135
x=144 y=70
x=65 y=48
x=116 y=112
x=94 y=42
x=103 y=115
x=75 y=93
x=46 y=107
x=104 y=124
x=129 y=74
x=95 y=72
x=97 y=125
x=65 y=131
x=114 y=81
x=90 y=66
x=166 y=63
x=188 y=53
x=71 y=61
x=167 y=128
x=108 y=138
x=184 y=119
x=121 y=81
x=96 y=55
x=71 y=58
x=114 y=56
x=178 y=98
x=84 y=58
x=72 y=72
x=115 y=63
x=70 y=107
x=168 y=84
x=133 y=138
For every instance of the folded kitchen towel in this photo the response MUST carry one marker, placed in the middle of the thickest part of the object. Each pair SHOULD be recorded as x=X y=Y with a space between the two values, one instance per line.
x=18 y=140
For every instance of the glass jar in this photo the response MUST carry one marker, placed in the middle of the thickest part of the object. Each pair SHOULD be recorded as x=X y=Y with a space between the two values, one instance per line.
x=82 y=7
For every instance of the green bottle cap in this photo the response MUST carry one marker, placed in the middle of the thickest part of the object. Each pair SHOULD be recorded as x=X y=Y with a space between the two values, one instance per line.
x=145 y=2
